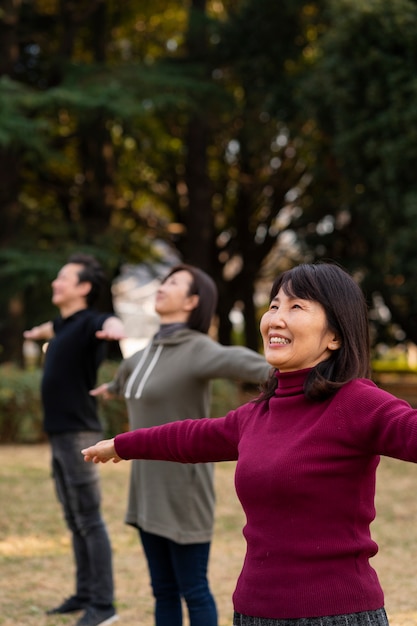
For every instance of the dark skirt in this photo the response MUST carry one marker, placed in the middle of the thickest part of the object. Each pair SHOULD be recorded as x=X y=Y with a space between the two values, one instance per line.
x=365 y=618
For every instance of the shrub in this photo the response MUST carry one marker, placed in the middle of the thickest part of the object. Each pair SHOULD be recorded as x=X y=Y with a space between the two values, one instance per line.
x=226 y=395
x=20 y=405
x=21 y=414
x=113 y=413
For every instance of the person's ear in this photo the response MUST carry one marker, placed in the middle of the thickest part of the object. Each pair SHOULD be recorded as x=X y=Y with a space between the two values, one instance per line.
x=335 y=343
x=84 y=288
x=192 y=302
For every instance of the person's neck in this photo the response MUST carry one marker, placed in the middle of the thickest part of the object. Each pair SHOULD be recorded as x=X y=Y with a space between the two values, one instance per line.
x=173 y=319
x=70 y=309
x=165 y=330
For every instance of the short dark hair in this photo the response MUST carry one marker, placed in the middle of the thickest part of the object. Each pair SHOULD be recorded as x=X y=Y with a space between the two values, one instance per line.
x=347 y=316
x=205 y=288
x=91 y=272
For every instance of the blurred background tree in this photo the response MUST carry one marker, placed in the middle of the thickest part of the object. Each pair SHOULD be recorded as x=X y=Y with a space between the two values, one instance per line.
x=363 y=95
x=248 y=134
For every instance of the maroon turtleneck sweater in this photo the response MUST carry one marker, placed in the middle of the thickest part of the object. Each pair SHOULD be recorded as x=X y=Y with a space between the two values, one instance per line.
x=305 y=477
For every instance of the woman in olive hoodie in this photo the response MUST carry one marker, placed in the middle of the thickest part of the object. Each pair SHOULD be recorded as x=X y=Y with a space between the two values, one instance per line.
x=172 y=504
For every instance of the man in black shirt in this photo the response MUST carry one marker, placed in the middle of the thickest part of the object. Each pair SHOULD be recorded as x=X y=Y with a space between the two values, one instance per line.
x=74 y=353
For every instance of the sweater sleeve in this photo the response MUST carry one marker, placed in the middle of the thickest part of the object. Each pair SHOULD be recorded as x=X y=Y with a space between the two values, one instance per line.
x=188 y=441
x=383 y=423
x=230 y=362
x=123 y=372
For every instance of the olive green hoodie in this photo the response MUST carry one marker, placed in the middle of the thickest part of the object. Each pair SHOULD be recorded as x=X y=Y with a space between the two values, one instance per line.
x=167 y=381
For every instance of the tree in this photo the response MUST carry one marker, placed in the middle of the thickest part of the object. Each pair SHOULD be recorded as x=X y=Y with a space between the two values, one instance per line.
x=236 y=175
x=250 y=135
x=58 y=168
x=138 y=138
x=365 y=108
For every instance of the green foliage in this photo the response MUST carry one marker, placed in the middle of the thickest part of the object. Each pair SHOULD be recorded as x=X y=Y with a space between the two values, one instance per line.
x=19 y=129
x=369 y=90
x=259 y=42
x=22 y=270
x=21 y=415
x=118 y=112
x=113 y=413
x=361 y=92
x=20 y=407
x=220 y=130
x=226 y=395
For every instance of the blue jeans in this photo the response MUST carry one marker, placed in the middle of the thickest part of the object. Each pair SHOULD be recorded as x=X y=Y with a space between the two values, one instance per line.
x=179 y=571
x=78 y=490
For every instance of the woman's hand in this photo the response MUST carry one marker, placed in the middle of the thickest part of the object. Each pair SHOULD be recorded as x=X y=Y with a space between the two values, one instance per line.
x=103 y=391
x=101 y=452
x=112 y=330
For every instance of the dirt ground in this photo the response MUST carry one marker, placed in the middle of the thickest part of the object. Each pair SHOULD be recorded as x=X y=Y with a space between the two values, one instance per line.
x=36 y=568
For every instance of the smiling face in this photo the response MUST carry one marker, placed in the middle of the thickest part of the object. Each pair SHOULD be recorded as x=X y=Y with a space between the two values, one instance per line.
x=173 y=302
x=295 y=333
x=68 y=293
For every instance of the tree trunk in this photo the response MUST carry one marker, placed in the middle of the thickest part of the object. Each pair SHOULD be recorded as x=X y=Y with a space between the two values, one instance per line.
x=9 y=48
x=198 y=245
x=199 y=217
x=96 y=149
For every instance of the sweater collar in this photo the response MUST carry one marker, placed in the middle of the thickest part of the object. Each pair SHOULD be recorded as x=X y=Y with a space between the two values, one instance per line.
x=165 y=330
x=291 y=383
x=180 y=335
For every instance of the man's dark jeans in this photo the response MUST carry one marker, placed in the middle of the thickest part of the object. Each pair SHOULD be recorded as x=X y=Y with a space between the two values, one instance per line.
x=78 y=489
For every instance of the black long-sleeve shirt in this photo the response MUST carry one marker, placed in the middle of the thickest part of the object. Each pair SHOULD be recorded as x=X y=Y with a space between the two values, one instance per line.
x=72 y=360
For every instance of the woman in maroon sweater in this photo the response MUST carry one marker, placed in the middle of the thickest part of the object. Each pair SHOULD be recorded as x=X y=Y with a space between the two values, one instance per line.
x=307 y=453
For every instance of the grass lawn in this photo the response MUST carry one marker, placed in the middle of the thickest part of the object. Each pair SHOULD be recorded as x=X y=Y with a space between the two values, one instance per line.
x=36 y=569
